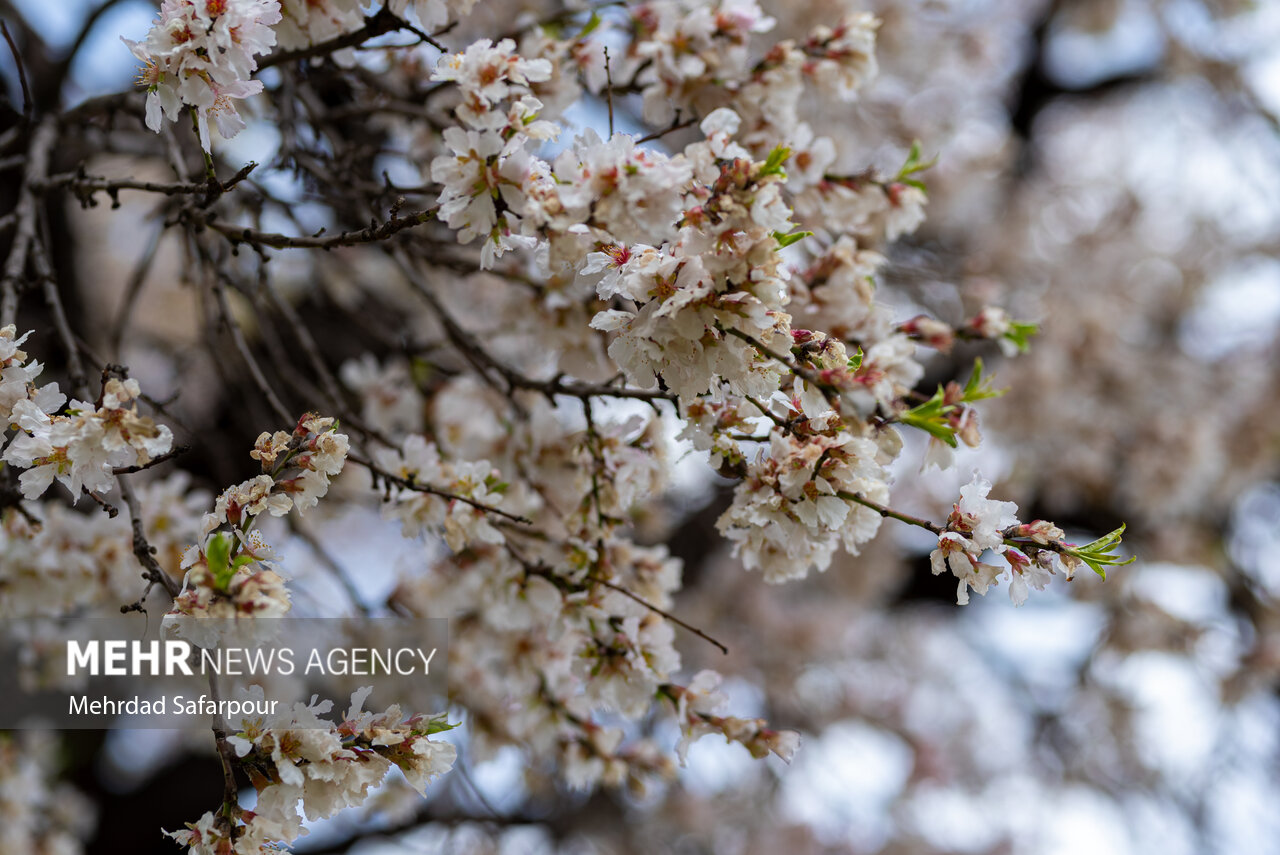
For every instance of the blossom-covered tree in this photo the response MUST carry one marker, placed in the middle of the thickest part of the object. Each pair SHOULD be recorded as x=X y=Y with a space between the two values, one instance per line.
x=553 y=319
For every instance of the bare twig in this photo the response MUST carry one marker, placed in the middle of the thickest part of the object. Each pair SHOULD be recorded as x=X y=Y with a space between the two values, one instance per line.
x=155 y=461
x=676 y=125
x=608 y=89
x=136 y=280
x=22 y=73
x=380 y=23
x=329 y=562
x=888 y=512
x=143 y=550
x=251 y=362
x=418 y=486
x=666 y=614
x=258 y=239
x=42 y=142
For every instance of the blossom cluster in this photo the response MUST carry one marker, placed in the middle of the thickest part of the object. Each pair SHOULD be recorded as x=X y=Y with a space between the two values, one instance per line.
x=201 y=53
x=447 y=498
x=722 y=271
x=81 y=446
x=38 y=814
x=797 y=503
x=310 y=22
x=699 y=710
x=483 y=178
x=1033 y=552
x=58 y=560
x=300 y=760
x=231 y=571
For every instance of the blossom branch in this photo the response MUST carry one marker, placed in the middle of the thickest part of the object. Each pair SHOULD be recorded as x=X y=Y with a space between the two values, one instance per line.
x=890 y=513
x=412 y=483
x=378 y=24
x=155 y=461
x=651 y=607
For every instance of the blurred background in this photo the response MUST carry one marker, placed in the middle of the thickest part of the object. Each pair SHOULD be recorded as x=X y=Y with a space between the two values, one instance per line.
x=1109 y=168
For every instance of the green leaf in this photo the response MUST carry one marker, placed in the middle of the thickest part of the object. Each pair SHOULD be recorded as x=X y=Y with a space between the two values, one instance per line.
x=785 y=241
x=592 y=23
x=855 y=361
x=218 y=556
x=1100 y=554
x=439 y=725
x=1020 y=334
x=914 y=165
x=773 y=164
x=934 y=427
x=979 y=388
x=931 y=417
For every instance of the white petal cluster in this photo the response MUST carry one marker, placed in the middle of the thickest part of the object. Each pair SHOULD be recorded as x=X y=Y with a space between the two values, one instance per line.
x=82 y=446
x=230 y=572
x=76 y=562
x=38 y=814
x=433 y=14
x=793 y=509
x=977 y=526
x=390 y=400
x=321 y=767
x=685 y=47
x=201 y=53
x=485 y=174
x=419 y=463
x=310 y=22
x=700 y=710
x=701 y=303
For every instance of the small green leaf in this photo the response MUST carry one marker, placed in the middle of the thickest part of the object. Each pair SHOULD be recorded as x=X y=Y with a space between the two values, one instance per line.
x=914 y=165
x=1100 y=554
x=936 y=427
x=979 y=388
x=773 y=164
x=592 y=23
x=855 y=361
x=439 y=725
x=218 y=556
x=785 y=241
x=1020 y=333
x=931 y=417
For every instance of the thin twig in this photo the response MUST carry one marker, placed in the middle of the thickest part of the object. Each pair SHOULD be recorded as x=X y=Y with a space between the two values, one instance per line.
x=417 y=486
x=42 y=142
x=884 y=511
x=666 y=614
x=227 y=756
x=49 y=284
x=251 y=362
x=132 y=291
x=155 y=461
x=608 y=89
x=257 y=239
x=676 y=125
x=330 y=563
x=382 y=22
x=22 y=73
x=143 y=550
